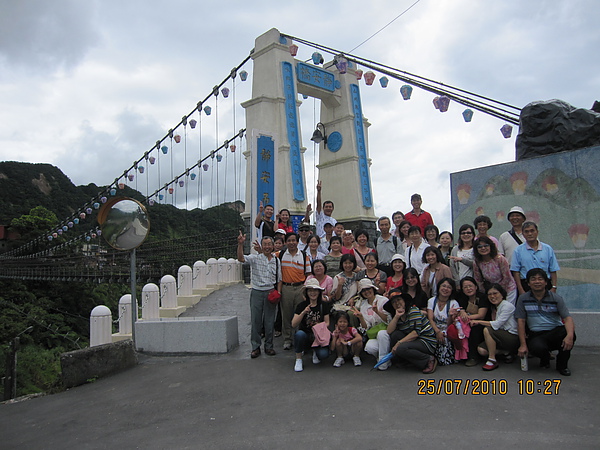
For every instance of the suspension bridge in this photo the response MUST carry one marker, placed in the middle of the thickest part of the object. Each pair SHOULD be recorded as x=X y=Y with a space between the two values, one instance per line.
x=216 y=154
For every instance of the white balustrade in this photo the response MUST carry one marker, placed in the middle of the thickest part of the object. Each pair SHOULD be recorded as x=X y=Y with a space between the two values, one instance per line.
x=150 y=302
x=100 y=326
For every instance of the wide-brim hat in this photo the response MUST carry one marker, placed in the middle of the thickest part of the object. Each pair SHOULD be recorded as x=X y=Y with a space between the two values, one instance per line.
x=517 y=209
x=313 y=283
x=398 y=257
x=365 y=283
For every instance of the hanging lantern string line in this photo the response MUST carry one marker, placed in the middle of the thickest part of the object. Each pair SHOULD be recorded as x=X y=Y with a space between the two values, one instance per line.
x=459 y=95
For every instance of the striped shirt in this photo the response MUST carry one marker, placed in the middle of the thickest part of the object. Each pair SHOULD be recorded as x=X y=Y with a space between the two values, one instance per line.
x=293 y=268
x=542 y=315
x=415 y=321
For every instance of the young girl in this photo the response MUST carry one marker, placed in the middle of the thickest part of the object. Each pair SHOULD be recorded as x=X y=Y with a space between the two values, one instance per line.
x=378 y=277
x=346 y=341
x=395 y=281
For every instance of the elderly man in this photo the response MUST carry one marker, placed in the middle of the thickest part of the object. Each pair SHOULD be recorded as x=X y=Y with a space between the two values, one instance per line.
x=265 y=272
x=533 y=254
x=511 y=239
x=551 y=327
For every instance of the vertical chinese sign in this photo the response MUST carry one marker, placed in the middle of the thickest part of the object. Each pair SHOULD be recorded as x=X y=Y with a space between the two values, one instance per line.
x=361 y=148
x=291 y=121
x=265 y=170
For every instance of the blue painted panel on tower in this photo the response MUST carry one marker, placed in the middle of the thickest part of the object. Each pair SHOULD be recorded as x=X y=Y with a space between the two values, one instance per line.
x=315 y=76
x=265 y=170
x=361 y=148
x=291 y=119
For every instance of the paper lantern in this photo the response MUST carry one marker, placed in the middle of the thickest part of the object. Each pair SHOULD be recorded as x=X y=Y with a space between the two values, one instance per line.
x=232 y=147
x=207 y=110
x=506 y=131
x=103 y=199
x=130 y=177
x=205 y=167
x=65 y=228
x=219 y=158
x=181 y=183
x=293 y=49
x=82 y=215
x=384 y=82
x=317 y=58
x=341 y=63
x=193 y=123
x=170 y=190
x=164 y=149
x=141 y=169
x=60 y=232
x=113 y=191
x=152 y=160
x=94 y=235
x=244 y=75
x=406 y=91
x=225 y=92
x=76 y=221
x=193 y=176
x=88 y=238
x=89 y=210
x=177 y=138
x=151 y=202
x=359 y=74
x=161 y=196
x=70 y=224
x=96 y=205
x=436 y=102
x=467 y=114
x=55 y=235
x=444 y=102
x=50 y=238
x=369 y=78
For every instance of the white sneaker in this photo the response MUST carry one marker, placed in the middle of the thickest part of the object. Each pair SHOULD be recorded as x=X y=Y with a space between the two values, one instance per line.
x=385 y=366
x=298 y=367
x=316 y=359
x=338 y=362
x=357 y=361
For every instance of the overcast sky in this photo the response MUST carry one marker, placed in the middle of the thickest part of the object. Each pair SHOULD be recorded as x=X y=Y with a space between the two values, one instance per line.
x=90 y=86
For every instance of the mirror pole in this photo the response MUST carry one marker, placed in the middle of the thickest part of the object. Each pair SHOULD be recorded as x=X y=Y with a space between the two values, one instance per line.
x=134 y=309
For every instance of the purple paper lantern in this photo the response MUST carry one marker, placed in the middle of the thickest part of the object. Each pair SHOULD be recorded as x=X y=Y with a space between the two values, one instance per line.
x=130 y=177
x=89 y=210
x=436 y=102
x=506 y=131
x=181 y=183
x=205 y=167
x=342 y=64
x=103 y=199
x=225 y=92
x=152 y=160
x=60 y=232
x=443 y=103
x=193 y=123
x=70 y=224
x=151 y=202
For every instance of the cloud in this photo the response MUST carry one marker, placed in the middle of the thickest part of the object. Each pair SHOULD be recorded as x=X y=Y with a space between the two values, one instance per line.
x=46 y=36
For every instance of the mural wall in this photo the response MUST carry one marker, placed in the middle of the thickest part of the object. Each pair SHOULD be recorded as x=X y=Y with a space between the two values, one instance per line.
x=561 y=193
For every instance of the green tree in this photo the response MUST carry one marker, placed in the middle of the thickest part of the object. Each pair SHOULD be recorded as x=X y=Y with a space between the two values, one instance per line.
x=33 y=224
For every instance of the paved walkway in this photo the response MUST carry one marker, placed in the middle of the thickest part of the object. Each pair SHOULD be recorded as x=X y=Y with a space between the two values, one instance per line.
x=232 y=402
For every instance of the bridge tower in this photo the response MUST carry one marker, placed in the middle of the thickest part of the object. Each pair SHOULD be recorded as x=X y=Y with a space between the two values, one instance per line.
x=275 y=164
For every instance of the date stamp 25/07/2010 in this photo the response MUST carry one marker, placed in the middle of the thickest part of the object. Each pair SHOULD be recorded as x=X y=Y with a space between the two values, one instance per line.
x=487 y=387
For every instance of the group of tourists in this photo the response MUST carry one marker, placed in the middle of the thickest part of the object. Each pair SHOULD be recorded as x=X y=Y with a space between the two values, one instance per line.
x=410 y=296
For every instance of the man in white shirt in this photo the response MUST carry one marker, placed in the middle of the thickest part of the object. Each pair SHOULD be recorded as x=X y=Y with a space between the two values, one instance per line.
x=510 y=240
x=323 y=213
x=414 y=253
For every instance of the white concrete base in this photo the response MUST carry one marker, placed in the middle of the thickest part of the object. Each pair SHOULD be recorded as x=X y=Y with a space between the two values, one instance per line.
x=214 y=287
x=587 y=328
x=187 y=335
x=116 y=337
x=172 y=312
x=188 y=300
x=203 y=292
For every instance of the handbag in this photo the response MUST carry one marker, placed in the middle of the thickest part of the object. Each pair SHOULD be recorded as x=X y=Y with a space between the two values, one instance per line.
x=274 y=296
x=372 y=332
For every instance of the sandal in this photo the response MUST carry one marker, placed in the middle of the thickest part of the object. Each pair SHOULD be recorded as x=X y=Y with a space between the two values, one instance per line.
x=490 y=365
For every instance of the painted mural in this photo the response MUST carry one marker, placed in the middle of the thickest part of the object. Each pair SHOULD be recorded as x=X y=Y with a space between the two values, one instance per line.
x=561 y=193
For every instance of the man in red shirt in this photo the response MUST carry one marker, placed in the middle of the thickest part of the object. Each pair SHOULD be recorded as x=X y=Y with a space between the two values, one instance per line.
x=417 y=216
